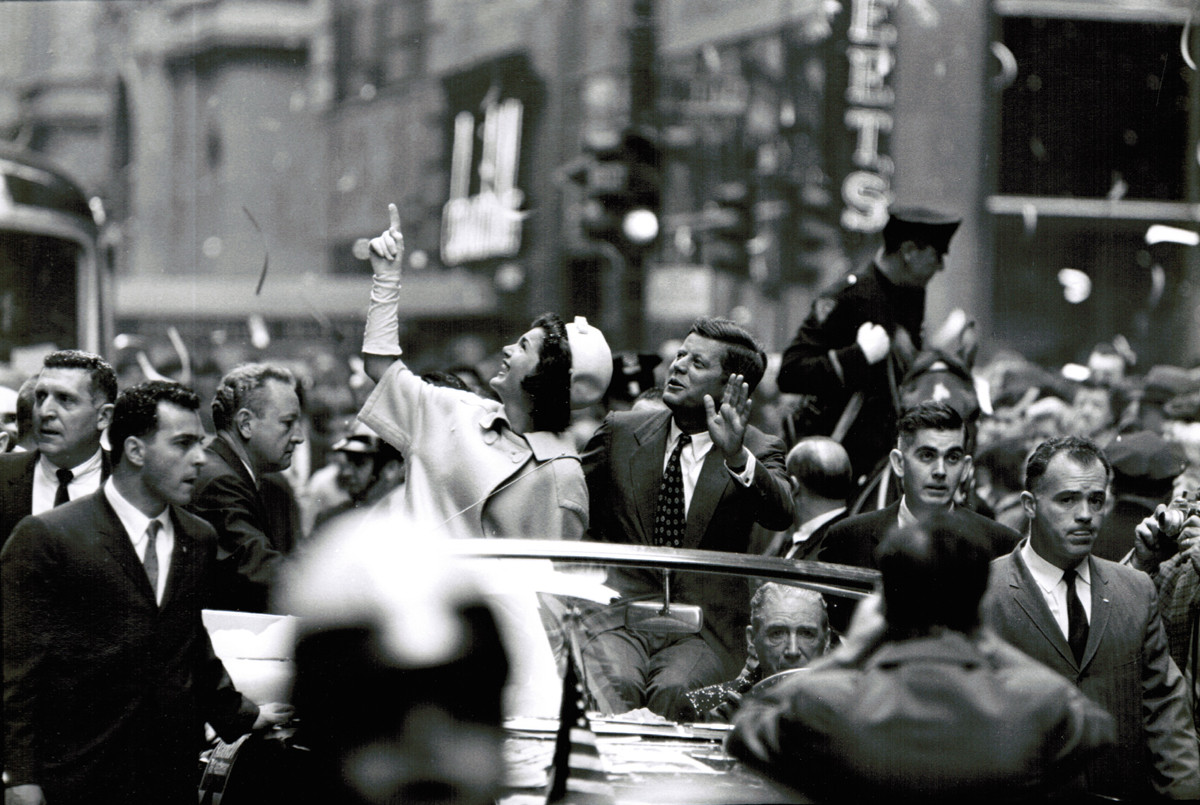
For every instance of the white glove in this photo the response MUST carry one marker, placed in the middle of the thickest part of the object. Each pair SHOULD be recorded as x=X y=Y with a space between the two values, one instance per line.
x=381 y=335
x=873 y=340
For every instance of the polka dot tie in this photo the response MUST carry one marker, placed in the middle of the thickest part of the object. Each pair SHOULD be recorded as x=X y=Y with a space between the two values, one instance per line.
x=669 y=515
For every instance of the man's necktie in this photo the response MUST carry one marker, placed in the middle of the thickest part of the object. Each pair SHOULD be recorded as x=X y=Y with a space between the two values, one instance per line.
x=1077 y=625
x=669 y=515
x=62 y=495
x=150 y=560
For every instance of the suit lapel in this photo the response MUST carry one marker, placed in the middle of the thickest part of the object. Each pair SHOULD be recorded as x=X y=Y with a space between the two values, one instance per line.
x=646 y=467
x=113 y=537
x=180 y=557
x=1029 y=598
x=1101 y=609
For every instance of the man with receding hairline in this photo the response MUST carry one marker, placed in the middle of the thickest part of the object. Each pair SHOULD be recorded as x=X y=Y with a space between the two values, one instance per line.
x=256 y=412
x=73 y=398
x=819 y=469
x=1097 y=624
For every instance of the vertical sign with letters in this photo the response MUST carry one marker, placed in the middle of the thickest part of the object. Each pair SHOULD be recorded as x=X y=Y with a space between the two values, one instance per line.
x=870 y=100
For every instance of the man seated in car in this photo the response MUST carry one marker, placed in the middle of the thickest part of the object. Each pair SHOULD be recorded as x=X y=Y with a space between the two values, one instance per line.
x=789 y=628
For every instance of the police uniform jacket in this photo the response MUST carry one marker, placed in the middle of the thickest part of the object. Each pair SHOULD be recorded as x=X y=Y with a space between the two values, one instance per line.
x=825 y=363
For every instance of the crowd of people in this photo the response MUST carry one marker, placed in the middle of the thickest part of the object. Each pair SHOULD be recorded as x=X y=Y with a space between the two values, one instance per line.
x=1035 y=630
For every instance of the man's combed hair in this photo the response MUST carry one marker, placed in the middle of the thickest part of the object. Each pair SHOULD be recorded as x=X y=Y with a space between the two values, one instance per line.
x=549 y=387
x=136 y=411
x=240 y=389
x=771 y=590
x=103 y=376
x=743 y=354
x=929 y=415
x=1079 y=449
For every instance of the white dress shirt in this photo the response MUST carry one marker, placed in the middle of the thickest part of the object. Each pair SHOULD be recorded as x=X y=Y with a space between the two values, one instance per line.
x=135 y=527
x=809 y=527
x=45 y=481
x=1049 y=579
x=691 y=461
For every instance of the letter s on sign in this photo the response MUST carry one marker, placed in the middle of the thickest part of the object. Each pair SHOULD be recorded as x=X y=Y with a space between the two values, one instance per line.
x=866 y=197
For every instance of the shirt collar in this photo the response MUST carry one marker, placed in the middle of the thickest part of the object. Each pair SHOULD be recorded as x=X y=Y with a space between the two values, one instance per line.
x=807 y=528
x=131 y=517
x=93 y=464
x=701 y=442
x=1047 y=575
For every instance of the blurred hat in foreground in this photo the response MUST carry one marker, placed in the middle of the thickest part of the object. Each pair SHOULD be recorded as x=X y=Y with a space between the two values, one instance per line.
x=360 y=440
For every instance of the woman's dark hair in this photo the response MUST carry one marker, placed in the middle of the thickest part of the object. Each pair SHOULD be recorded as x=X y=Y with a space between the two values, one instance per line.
x=549 y=387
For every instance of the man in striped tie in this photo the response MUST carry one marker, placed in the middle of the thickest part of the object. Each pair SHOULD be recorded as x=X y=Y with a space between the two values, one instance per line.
x=109 y=675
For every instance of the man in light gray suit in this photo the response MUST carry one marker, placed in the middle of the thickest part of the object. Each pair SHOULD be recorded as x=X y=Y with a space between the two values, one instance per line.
x=1096 y=623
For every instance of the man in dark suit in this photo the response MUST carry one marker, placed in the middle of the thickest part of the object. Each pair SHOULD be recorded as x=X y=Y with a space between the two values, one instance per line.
x=918 y=704
x=1096 y=623
x=109 y=675
x=73 y=400
x=819 y=469
x=930 y=459
x=256 y=413
x=695 y=475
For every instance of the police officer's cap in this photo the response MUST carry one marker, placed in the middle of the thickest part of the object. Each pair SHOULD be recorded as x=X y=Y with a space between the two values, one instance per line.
x=360 y=440
x=920 y=224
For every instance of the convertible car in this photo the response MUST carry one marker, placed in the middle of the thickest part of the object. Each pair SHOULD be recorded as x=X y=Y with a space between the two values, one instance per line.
x=552 y=600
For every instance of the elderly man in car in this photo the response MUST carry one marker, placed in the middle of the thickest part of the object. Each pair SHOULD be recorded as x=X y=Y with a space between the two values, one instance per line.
x=789 y=628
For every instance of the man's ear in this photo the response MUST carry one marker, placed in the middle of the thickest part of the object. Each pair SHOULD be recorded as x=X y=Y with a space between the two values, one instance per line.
x=1029 y=504
x=4 y=437
x=104 y=416
x=243 y=423
x=751 y=651
x=896 y=459
x=135 y=451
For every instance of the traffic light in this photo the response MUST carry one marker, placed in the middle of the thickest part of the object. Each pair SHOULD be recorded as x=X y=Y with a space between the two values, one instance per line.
x=729 y=219
x=622 y=185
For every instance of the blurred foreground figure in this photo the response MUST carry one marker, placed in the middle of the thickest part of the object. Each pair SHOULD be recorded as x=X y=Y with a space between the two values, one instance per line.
x=917 y=704
x=399 y=671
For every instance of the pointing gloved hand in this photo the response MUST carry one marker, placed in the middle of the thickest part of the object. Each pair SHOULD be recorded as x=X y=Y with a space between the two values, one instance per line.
x=874 y=342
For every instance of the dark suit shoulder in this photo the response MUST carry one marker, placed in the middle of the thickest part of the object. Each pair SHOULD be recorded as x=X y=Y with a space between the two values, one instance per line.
x=14 y=465
x=197 y=527
x=880 y=519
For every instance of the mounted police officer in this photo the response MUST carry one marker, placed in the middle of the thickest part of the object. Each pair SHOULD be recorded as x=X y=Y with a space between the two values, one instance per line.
x=860 y=336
